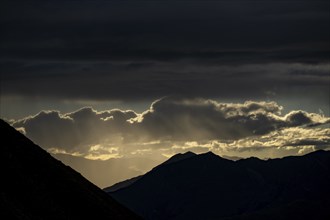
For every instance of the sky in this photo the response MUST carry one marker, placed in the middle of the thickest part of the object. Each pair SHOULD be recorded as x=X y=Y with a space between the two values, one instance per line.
x=117 y=79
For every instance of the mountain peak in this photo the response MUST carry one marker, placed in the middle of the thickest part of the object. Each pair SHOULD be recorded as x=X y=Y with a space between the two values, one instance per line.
x=212 y=156
x=179 y=157
x=209 y=154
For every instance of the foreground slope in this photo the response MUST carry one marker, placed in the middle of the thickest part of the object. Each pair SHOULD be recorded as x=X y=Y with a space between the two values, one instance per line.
x=207 y=186
x=36 y=186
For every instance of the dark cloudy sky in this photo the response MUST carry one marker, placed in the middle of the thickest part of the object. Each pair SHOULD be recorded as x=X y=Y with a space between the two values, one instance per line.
x=229 y=76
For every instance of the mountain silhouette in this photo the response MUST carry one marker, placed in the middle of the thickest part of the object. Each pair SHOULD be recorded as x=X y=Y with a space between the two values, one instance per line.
x=34 y=185
x=179 y=157
x=207 y=186
x=128 y=182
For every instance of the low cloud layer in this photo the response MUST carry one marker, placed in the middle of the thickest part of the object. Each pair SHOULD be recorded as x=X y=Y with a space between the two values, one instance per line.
x=172 y=125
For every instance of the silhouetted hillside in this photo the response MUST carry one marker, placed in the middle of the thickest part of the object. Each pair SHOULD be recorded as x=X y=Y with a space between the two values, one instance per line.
x=128 y=182
x=121 y=185
x=36 y=186
x=207 y=186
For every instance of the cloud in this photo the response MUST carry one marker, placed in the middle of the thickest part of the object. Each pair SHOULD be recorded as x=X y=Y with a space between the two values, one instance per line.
x=144 y=51
x=174 y=124
x=75 y=131
x=280 y=143
x=200 y=119
x=172 y=30
x=149 y=80
x=49 y=127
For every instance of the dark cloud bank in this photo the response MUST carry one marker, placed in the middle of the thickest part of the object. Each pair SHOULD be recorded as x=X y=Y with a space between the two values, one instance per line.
x=132 y=50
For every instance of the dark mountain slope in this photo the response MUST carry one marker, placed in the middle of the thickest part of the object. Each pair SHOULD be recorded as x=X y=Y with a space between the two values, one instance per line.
x=36 y=186
x=128 y=182
x=122 y=184
x=207 y=186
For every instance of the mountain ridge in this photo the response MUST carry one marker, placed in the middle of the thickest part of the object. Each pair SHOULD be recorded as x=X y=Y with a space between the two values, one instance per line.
x=174 y=159
x=207 y=186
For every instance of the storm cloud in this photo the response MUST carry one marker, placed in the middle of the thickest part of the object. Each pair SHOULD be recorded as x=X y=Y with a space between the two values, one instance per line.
x=166 y=30
x=135 y=50
x=172 y=124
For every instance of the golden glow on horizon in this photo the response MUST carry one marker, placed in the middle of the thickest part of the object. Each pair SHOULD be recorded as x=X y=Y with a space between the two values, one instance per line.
x=279 y=143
